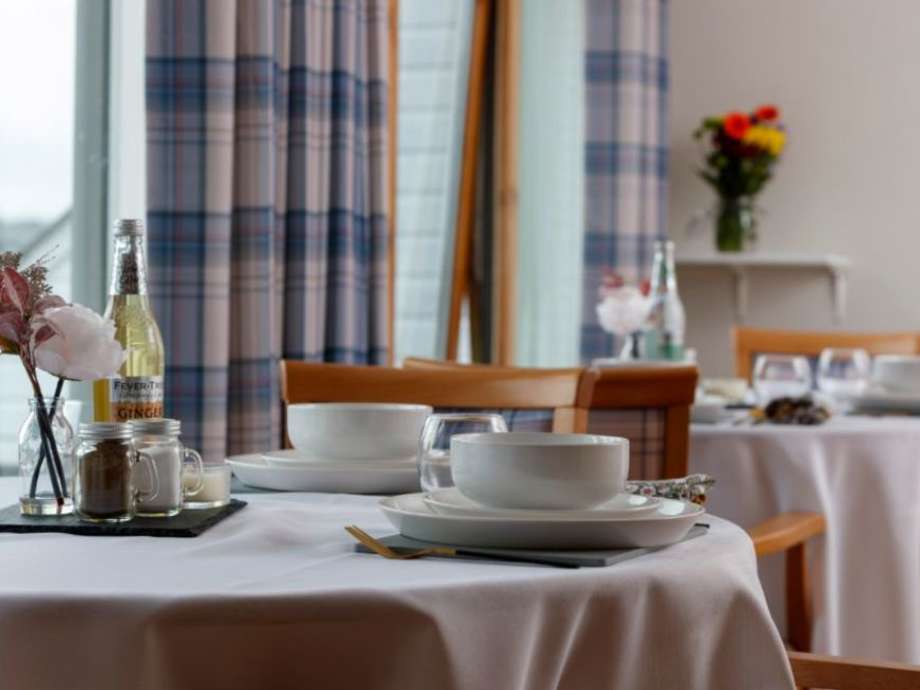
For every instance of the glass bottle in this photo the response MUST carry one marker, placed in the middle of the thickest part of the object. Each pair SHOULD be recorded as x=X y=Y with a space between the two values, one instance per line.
x=136 y=391
x=46 y=489
x=664 y=338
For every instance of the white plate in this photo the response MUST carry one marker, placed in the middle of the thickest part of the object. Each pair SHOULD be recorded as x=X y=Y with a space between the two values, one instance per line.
x=452 y=502
x=292 y=457
x=412 y=517
x=347 y=478
x=879 y=399
x=709 y=413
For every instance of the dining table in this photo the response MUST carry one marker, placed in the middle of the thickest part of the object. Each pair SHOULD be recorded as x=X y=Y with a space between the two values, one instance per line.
x=863 y=474
x=276 y=596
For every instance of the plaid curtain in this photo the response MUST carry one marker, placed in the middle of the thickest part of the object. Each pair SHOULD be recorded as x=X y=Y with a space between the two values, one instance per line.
x=266 y=167
x=626 y=131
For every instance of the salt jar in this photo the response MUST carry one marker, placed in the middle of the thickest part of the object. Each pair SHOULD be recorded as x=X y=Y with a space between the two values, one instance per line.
x=159 y=438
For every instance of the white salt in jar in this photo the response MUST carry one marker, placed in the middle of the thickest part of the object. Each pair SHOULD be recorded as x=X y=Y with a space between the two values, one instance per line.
x=159 y=438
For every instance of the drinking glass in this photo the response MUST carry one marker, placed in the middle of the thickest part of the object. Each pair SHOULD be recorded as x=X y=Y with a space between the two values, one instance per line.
x=434 y=444
x=843 y=372
x=781 y=376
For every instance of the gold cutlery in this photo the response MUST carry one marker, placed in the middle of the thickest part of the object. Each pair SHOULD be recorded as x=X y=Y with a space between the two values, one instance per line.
x=382 y=549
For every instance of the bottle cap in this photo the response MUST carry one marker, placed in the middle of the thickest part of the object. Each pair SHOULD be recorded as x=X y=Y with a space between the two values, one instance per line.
x=129 y=226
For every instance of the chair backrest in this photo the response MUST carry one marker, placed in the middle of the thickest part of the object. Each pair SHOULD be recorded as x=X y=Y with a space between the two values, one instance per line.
x=750 y=342
x=528 y=399
x=649 y=405
x=843 y=673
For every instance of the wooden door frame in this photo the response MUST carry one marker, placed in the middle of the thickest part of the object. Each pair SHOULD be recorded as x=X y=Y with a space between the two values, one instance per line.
x=506 y=16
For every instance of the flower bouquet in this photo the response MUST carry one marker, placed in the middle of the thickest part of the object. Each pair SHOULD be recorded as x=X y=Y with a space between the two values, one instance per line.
x=623 y=310
x=66 y=340
x=742 y=151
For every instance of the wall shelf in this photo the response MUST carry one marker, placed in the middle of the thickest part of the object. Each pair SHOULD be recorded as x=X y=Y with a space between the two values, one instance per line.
x=742 y=263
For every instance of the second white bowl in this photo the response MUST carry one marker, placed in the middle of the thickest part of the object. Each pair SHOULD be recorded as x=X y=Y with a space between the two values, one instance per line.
x=539 y=470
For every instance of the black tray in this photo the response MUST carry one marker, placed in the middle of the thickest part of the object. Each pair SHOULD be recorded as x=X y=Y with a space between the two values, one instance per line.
x=188 y=523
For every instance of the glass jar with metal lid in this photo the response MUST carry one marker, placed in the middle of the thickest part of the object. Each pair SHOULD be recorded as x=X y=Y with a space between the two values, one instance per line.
x=104 y=486
x=159 y=438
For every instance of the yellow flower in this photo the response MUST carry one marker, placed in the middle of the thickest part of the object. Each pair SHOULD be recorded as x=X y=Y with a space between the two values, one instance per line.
x=767 y=138
x=777 y=142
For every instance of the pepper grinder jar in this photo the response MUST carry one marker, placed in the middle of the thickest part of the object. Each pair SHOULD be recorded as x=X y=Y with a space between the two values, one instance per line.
x=104 y=485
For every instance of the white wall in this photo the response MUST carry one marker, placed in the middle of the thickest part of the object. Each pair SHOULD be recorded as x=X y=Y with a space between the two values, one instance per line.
x=845 y=73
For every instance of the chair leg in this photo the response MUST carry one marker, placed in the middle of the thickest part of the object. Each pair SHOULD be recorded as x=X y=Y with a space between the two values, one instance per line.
x=798 y=599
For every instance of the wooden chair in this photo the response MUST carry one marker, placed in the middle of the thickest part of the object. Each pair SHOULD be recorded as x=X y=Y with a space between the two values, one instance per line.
x=844 y=673
x=672 y=388
x=750 y=342
x=649 y=405
x=528 y=399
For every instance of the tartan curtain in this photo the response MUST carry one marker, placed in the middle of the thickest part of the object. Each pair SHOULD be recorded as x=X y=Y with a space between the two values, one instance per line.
x=266 y=168
x=626 y=130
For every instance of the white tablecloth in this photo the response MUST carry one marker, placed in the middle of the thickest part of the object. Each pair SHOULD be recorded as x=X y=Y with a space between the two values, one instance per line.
x=275 y=598
x=864 y=475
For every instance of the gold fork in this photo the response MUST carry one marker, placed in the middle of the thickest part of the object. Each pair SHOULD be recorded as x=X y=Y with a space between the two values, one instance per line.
x=382 y=549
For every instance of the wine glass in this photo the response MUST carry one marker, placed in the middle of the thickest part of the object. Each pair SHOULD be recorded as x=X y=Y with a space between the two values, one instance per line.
x=781 y=376
x=843 y=372
x=434 y=444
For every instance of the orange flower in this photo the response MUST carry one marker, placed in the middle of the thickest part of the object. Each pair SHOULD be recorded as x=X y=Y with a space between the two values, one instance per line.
x=767 y=113
x=736 y=125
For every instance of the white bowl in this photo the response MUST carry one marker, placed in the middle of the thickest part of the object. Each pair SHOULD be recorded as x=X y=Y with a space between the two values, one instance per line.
x=356 y=431
x=897 y=372
x=539 y=470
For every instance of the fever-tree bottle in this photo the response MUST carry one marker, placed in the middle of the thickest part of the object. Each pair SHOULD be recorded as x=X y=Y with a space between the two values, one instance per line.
x=136 y=391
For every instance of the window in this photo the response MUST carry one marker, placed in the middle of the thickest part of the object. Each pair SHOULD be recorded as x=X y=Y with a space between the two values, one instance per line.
x=37 y=58
x=434 y=47
x=71 y=156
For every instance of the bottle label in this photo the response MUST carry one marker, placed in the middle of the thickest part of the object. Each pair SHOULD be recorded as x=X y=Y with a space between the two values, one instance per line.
x=136 y=397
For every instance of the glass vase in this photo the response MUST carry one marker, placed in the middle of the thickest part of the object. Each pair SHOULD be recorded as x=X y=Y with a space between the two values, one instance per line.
x=735 y=225
x=46 y=449
x=632 y=347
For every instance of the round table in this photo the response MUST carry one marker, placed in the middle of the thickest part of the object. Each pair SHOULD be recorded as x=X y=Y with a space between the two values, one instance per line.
x=863 y=474
x=276 y=597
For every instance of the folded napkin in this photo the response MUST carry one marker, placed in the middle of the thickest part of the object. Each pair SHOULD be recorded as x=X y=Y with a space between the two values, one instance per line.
x=580 y=558
x=691 y=488
x=804 y=411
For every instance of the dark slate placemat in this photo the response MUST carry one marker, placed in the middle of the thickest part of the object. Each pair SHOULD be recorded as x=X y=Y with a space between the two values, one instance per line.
x=188 y=523
x=570 y=559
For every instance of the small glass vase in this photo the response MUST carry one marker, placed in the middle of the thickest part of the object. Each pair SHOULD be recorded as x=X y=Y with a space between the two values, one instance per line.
x=632 y=347
x=46 y=460
x=735 y=224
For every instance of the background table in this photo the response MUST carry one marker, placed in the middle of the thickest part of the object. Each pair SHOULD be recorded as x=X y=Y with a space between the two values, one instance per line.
x=863 y=474
x=275 y=597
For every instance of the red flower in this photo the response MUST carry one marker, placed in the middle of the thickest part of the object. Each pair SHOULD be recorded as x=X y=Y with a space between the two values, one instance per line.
x=767 y=113
x=645 y=287
x=736 y=125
